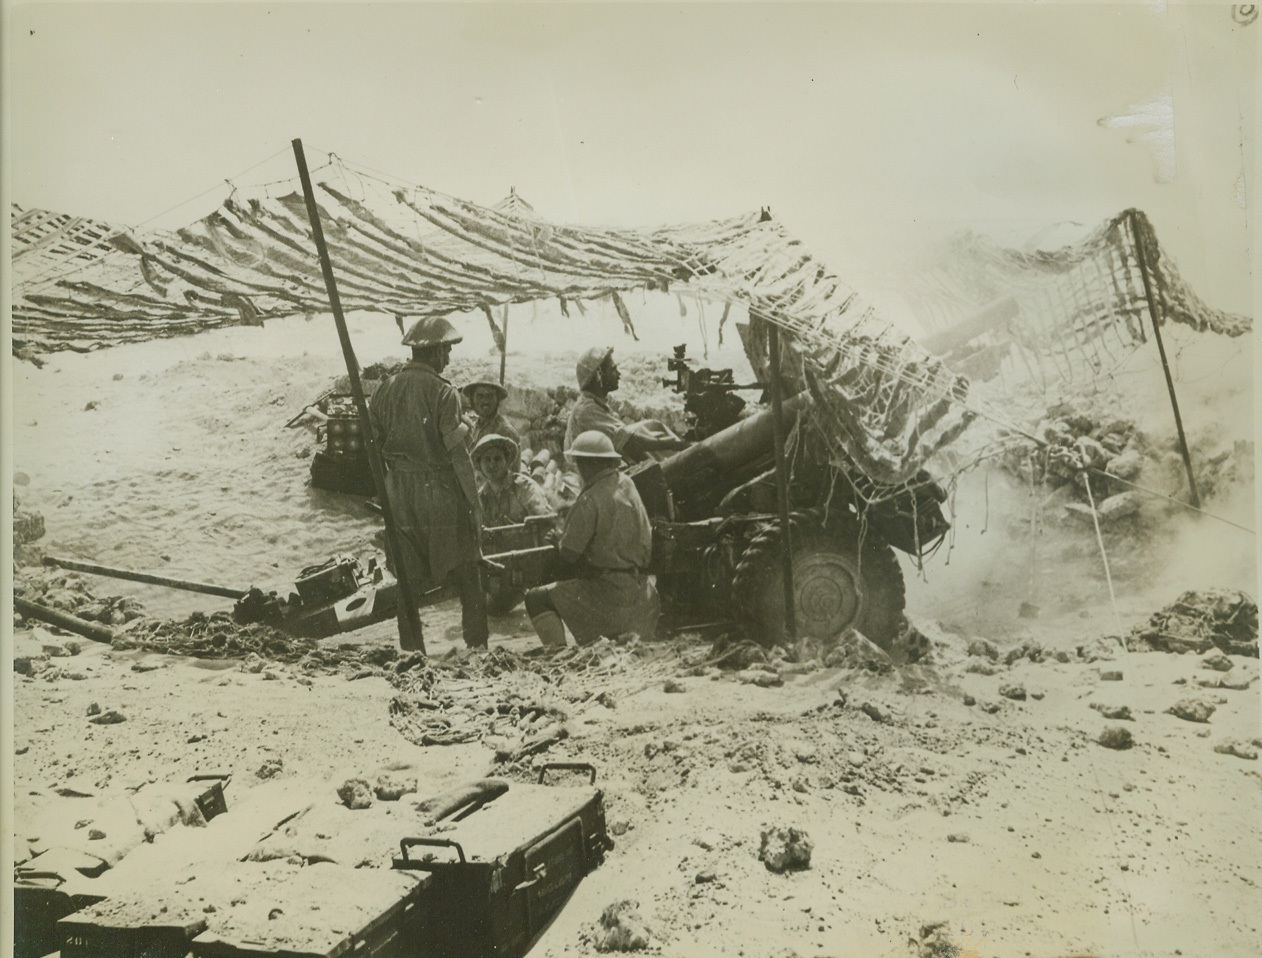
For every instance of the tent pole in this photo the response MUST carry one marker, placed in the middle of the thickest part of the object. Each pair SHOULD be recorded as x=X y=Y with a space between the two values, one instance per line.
x=410 y=634
x=782 y=487
x=1165 y=363
x=504 y=346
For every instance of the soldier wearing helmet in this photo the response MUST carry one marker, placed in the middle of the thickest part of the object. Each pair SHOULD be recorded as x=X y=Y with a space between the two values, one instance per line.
x=484 y=399
x=508 y=497
x=598 y=376
x=607 y=543
x=429 y=476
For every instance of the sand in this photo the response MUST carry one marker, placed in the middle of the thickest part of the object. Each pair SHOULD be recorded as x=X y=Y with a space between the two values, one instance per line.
x=929 y=795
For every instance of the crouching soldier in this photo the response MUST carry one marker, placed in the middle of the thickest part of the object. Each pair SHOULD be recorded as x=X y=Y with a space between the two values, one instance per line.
x=607 y=543
x=507 y=498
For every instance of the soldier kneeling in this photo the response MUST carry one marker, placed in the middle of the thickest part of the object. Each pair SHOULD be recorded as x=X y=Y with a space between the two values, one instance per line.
x=608 y=543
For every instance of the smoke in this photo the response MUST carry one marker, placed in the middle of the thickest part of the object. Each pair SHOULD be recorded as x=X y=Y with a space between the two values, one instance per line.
x=1018 y=549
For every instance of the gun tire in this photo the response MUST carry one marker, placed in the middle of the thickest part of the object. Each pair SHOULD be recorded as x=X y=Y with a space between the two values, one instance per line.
x=839 y=582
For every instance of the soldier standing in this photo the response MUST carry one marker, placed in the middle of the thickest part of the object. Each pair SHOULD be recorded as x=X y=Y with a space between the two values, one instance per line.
x=484 y=399
x=429 y=476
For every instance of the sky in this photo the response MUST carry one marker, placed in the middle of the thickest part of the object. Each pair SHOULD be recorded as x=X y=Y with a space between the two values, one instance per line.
x=871 y=130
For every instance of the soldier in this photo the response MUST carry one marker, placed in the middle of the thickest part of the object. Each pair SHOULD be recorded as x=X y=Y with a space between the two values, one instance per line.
x=508 y=498
x=429 y=476
x=484 y=399
x=607 y=542
x=598 y=376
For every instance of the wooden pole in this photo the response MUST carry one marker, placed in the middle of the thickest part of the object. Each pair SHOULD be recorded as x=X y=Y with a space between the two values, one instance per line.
x=63 y=620
x=782 y=483
x=112 y=573
x=1165 y=363
x=410 y=635
x=504 y=346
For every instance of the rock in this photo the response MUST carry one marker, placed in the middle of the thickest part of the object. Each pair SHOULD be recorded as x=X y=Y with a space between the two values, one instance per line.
x=1238 y=748
x=390 y=789
x=1218 y=662
x=354 y=793
x=194 y=739
x=112 y=717
x=607 y=700
x=785 y=849
x=91 y=404
x=872 y=712
x=705 y=877
x=1209 y=681
x=1126 y=466
x=969 y=700
x=990 y=708
x=1037 y=696
x=759 y=677
x=981 y=668
x=958 y=837
x=1014 y=692
x=1237 y=683
x=270 y=768
x=621 y=929
x=73 y=648
x=95 y=835
x=1119 y=506
x=1115 y=712
x=983 y=649
x=672 y=686
x=94 y=709
x=1199 y=621
x=1111 y=675
x=1116 y=737
x=252 y=663
x=27 y=527
x=1191 y=710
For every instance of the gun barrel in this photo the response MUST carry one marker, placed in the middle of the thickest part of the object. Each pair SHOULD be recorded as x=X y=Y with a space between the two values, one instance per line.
x=703 y=465
x=170 y=583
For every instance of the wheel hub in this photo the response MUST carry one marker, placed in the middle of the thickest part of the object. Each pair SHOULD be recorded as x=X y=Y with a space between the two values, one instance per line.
x=828 y=596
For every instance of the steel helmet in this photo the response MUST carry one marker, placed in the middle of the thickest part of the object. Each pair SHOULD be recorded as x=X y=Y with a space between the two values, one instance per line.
x=589 y=362
x=593 y=444
x=492 y=441
x=499 y=390
x=431 y=331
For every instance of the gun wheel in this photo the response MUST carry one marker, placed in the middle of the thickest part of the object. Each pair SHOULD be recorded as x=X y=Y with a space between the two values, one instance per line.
x=837 y=583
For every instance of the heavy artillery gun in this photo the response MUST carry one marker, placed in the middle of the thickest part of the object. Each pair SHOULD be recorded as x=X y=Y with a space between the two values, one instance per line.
x=717 y=538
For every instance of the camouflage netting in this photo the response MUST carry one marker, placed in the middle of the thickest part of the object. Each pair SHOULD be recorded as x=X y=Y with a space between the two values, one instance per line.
x=414 y=252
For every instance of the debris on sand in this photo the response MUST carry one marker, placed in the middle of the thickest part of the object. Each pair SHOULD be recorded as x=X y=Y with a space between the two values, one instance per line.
x=621 y=929
x=1218 y=662
x=391 y=789
x=1240 y=748
x=1116 y=737
x=270 y=768
x=1191 y=710
x=785 y=849
x=1199 y=621
x=935 y=942
x=1014 y=692
x=111 y=717
x=763 y=678
x=1117 y=713
x=354 y=793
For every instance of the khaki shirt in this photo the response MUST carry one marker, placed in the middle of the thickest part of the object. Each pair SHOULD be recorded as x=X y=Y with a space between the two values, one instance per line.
x=497 y=425
x=592 y=412
x=608 y=525
x=415 y=415
x=521 y=497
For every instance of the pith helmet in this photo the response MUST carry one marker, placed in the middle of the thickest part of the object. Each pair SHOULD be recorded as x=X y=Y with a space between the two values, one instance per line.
x=592 y=444
x=589 y=362
x=431 y=331
x=500 y=391
x=492 y=441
